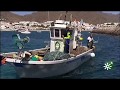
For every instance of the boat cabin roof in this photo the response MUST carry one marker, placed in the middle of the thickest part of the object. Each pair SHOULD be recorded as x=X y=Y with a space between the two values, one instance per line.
x=61 y=24
x=62 y=28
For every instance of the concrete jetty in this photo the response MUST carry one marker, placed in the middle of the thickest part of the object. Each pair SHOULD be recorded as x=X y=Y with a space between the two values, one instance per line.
x=109 y=30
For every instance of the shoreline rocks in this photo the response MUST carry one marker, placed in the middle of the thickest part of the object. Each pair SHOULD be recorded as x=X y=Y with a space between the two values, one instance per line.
x=115 y=31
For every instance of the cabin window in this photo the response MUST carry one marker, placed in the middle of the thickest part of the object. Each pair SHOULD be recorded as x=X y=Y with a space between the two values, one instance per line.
x=52 y=32
x=71 y=31
x=63 y=32
x=56 y=32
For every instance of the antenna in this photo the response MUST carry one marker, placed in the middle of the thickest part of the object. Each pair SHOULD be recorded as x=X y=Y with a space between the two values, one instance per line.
x=66 y=15
x=70 y=18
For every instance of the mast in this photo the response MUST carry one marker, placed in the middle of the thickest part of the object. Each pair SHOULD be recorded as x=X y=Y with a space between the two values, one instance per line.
x=65 y=15
x=60 y=16
x=70 y=19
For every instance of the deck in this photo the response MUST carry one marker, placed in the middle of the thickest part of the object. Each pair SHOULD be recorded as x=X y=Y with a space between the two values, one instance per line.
x=42 y=53
x=79 y=50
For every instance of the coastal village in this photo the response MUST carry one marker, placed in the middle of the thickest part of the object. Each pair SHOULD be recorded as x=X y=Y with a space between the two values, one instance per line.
x=7 y=26
x=35 y=25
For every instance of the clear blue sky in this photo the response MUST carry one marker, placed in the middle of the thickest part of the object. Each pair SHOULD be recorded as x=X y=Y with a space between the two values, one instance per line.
x=22 y=12
x=29 y=12
x=113 y=12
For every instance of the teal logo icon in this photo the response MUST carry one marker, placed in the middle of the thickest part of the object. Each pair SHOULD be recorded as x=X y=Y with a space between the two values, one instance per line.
x=108 y=65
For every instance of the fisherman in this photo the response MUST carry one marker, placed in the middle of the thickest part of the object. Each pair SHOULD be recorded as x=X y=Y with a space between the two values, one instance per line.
x=26 y=56
x=90 y=41
x=79 y=38
x=67 y=41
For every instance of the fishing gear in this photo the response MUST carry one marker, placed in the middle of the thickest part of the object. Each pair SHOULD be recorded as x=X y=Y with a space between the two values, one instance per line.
x=20 y=42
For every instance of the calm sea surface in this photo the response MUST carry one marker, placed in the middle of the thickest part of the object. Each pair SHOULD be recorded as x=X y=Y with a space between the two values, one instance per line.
x=107 y=49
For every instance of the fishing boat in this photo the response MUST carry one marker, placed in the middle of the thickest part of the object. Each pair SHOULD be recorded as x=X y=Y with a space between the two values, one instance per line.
x=39 y=31
x=26 y=31
x=43 y=68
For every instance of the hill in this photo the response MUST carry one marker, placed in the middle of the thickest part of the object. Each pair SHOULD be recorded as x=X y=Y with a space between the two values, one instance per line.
x=87 y=16
x=92 y=17
x=10 y=17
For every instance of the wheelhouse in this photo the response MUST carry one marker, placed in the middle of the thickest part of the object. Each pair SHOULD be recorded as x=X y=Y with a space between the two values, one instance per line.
x=58 y=31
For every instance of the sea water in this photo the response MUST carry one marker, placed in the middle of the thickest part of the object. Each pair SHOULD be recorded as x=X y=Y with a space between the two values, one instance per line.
x=107 y=49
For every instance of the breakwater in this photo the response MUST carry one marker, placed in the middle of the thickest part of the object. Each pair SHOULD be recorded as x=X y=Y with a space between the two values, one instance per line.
x=111 y=31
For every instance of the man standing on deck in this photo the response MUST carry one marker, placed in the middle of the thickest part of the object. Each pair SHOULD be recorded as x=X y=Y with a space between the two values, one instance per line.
x=67 y=41
x=90 y=41
x=79 y=38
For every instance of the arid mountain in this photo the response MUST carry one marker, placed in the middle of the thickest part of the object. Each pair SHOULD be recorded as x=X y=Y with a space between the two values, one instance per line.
x=44 y=16
x=92 y=17
x=10 y=17
x=87 y=16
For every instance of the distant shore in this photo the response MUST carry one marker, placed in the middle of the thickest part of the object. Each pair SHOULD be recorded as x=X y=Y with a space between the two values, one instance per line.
x=115 y=31
x=14 y=30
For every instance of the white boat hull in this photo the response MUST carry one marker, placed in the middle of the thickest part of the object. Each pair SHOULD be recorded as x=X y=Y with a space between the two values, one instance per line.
x=26 y=32
x=52 y=68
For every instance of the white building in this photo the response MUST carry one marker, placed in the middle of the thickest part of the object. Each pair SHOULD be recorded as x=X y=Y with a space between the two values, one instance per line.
x=24 y=22
x=34 y=23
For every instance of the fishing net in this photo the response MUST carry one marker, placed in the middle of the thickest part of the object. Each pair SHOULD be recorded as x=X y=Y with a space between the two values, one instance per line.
x=20 y=42
x=16 y=37
x=56 y=55
x=26 y=39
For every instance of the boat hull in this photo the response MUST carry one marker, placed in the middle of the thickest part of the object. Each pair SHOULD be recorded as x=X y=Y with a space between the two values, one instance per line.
x=25 y=32
x=50 y=70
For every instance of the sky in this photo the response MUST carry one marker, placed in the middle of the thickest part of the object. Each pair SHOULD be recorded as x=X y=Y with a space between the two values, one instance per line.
x=113 y=12
x=29 y=12
x=23 y=12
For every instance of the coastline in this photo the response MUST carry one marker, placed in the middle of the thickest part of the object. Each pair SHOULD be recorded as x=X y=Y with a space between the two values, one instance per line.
x=115 y=31
x=29 y=30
